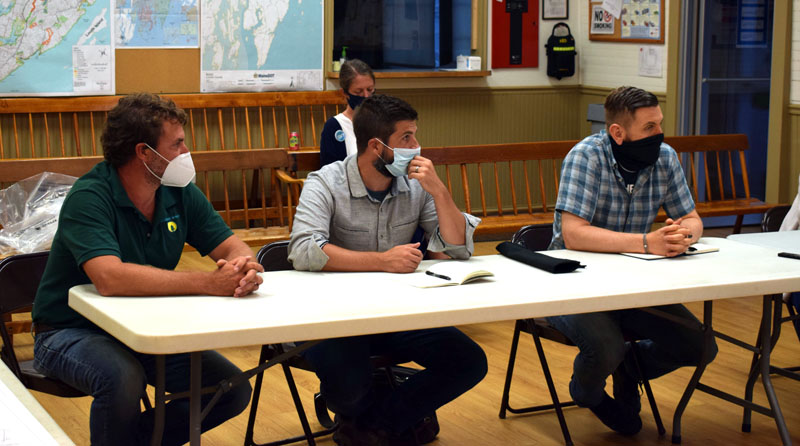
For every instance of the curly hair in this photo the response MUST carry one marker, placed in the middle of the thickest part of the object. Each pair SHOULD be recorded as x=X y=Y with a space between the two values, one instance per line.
x=377 y=116
x=136 y=118
x=622 y=103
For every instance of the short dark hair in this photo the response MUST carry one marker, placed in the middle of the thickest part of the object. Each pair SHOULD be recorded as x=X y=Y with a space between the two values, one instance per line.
x=622 y=103
x=136 y=118
x=376 y=118
x=350 y=69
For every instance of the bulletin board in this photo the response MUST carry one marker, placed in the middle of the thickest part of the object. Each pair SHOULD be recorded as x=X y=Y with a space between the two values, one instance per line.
x=641 y=21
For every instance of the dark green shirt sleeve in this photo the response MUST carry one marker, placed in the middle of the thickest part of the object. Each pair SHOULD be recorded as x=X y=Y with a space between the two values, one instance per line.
x=206 y=228
x=87 y=226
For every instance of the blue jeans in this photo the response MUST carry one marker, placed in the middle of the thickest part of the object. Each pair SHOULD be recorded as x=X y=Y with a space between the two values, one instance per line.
x=453 y=363
x=665 y=346
x=116 y=377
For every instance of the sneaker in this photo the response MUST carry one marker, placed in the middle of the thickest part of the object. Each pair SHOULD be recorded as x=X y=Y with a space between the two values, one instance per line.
x=626 y=389
x=617 y=417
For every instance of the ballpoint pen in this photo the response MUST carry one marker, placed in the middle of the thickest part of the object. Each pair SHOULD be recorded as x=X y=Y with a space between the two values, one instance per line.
x=440 y=276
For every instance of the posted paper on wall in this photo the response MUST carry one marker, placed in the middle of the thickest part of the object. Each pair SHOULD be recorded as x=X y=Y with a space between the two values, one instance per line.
x=602 y=21
x=650 y=60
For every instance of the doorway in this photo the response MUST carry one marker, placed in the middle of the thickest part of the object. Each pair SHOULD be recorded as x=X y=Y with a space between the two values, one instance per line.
x=725 y=80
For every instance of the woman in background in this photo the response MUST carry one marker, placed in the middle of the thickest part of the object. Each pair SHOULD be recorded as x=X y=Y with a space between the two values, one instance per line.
x=338 y=140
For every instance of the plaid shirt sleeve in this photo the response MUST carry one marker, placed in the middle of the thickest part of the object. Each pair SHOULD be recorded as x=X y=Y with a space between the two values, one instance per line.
x=579 y=187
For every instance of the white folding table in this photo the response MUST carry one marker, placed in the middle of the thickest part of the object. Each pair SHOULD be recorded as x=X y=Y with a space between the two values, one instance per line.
x=293 y=305
x=23 y=421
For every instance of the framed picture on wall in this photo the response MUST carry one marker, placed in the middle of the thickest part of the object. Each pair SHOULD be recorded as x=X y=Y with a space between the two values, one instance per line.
x=555 y=9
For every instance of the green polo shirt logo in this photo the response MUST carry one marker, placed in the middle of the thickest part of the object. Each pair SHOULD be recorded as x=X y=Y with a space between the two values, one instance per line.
x=172 y=226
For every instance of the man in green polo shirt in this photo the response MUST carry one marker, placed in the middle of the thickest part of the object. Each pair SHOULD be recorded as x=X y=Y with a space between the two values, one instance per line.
x=123 y=227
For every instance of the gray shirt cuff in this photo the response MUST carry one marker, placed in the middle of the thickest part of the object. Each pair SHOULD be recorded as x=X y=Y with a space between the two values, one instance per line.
x=460 y=252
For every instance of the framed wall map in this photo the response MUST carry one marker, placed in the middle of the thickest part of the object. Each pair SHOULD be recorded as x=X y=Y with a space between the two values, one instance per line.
x=640 y=21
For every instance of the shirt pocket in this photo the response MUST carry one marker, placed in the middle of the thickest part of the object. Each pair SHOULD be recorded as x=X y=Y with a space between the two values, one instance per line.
x=350 y=235
x=403 y=232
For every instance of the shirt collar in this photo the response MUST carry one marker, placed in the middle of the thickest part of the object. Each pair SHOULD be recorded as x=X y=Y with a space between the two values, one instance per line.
x=356 y=183
x=164 y=198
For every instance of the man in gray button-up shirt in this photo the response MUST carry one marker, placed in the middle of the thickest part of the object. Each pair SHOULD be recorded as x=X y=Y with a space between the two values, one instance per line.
x=360 y=214
x=339 y=226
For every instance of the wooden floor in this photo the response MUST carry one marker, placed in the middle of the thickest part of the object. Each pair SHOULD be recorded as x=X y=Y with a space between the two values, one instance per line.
x=472 y=419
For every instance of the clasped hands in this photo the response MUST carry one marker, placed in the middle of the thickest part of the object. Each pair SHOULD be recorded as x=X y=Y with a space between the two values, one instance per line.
x=238 y=277
x=671 y=240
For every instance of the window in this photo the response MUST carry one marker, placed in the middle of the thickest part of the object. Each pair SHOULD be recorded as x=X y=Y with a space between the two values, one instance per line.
x=401 y=34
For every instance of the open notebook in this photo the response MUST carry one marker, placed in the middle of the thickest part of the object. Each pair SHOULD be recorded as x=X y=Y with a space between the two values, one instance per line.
x=697 y=248
x=449 y=272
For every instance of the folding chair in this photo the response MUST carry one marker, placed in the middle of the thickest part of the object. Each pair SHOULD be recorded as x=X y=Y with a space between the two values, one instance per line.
x=19 y=279
x=770 y=222
x=273 y=257
x=537 y=237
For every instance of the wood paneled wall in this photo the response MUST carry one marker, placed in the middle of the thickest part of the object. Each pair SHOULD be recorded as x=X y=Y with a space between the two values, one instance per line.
x=463 y=116
x=790 y=159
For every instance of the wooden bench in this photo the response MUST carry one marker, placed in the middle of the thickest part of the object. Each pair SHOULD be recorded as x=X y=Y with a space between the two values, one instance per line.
x=237 y=182
x=514 y=184
x=62 y=127
x=517 y=184
x=720 y=161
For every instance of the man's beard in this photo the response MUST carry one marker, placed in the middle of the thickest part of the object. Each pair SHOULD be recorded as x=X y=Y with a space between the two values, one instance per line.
x=380 y=166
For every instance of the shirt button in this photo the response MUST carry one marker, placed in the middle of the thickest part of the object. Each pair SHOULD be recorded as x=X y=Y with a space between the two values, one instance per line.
x=148 y=235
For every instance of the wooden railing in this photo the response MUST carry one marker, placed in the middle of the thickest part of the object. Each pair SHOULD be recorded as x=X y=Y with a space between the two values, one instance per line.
x=64 y=127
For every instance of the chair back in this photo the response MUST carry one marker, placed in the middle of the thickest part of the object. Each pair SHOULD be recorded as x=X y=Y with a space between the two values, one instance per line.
x=773 y=218
x=534 y=237
x=19 y=280
x=274 y=256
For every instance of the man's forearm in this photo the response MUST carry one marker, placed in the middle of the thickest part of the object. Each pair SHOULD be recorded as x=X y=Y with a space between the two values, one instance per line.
x=592 y=238
x=231 y=248
x=452 y=226
x=341 y=259
x=115 y=278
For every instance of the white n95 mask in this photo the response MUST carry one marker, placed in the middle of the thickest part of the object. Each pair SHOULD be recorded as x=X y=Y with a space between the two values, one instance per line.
x=179 y=172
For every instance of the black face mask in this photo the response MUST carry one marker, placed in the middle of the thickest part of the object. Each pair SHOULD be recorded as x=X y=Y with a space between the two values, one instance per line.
x=354 y=100
x=634 y=156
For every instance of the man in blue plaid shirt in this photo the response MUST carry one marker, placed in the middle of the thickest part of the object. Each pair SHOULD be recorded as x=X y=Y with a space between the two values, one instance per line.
x=612 y=186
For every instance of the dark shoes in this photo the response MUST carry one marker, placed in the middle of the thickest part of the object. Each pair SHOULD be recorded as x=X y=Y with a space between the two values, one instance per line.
x=351 y=434
x=626 y=389
x=617 y=416
x=425 y=431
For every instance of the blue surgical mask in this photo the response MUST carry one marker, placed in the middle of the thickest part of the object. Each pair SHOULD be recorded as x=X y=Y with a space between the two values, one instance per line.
x=402 y=157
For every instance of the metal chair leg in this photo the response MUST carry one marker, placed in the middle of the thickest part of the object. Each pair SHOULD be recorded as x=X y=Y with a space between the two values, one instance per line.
x=308 y=435
x=557 y=406
x=510 y=370
x=648 y=391
x=551 y=386
x=301 y=413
